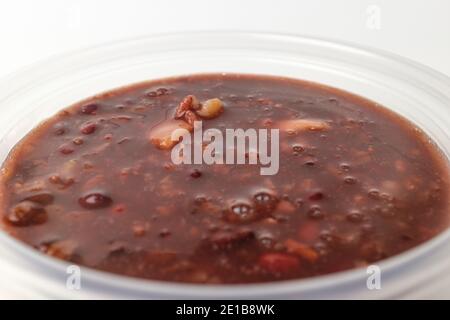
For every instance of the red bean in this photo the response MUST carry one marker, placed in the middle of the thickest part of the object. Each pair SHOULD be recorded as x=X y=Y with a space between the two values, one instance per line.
x=265 y=202
x=297 y=148
x=164 y=233
x=310 y=163
x=228 y=239
x=43 y=198
x=89 y=109
x=316 y=196
x=88 y=128
x=162 y=91
x=158 y=92
x=196 y=174
x=315 y=212
x=95 y=200
x=65 y=149
x=350 y=180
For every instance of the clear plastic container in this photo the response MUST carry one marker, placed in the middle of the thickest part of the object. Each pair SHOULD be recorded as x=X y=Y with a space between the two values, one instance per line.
x=414 y=91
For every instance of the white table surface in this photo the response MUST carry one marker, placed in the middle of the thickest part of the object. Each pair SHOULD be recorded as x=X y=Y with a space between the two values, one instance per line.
x=32 y=30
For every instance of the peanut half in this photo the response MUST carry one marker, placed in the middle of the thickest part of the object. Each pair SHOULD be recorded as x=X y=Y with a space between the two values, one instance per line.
x=162 y=134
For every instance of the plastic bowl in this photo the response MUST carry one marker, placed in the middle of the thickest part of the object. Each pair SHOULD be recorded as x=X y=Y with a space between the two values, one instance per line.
x=412 y=90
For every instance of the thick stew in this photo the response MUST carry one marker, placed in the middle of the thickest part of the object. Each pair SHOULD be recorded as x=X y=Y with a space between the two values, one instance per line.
x=96 y=184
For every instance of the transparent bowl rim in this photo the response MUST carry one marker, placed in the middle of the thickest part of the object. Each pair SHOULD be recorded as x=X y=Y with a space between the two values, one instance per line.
x=229 y=291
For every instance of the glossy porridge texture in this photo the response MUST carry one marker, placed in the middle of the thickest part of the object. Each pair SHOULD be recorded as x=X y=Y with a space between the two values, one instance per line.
x=95 y=183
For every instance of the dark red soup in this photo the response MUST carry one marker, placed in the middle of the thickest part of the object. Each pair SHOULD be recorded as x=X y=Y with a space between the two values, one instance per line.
x=96 y=184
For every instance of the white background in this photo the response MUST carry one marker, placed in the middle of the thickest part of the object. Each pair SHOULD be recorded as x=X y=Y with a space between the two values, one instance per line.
x=31 y=30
